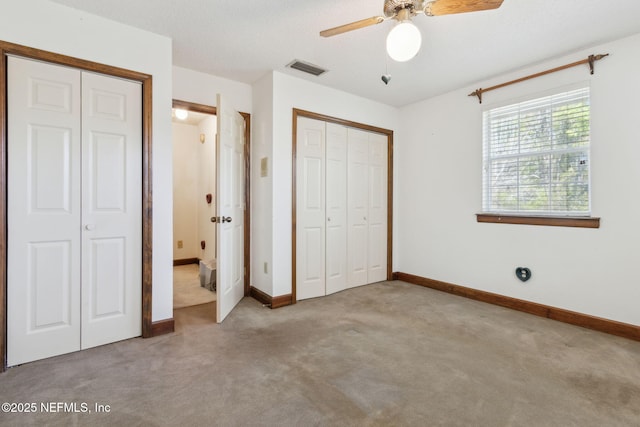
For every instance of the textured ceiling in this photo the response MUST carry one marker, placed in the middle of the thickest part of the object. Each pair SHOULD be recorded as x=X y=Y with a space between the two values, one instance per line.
x=244 y=40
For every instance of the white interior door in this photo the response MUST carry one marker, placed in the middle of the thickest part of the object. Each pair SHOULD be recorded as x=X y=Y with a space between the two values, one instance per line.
x=358 y=203
x=230 y=209
x=367 y=207
x=310 y=208
x=43 y=253
x=111 y=209
x=377 y=209
x=336 y=208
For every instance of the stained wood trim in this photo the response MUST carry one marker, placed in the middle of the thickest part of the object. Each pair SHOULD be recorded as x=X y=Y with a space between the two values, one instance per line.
x=147 y=206
x=162 y=327
x=582 y=222
x=389 y=133
x=3 y=211
x=186 y=261
x=311 y=115
x=390 y=207
x=282 y=301
x=56 y=58
x=294 y=206
x=192 y=106
x=247 y=203
x=147 y=198
x=262 y=297
x=272 y=302
x=612 y=327
x=208 y=109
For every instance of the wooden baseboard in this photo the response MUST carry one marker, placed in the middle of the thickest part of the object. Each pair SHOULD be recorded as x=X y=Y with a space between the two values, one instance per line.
x=260 y=296
x=282 y=301
x=185 y=261
x=162 y=327
x=272 y=302
x=612 y=327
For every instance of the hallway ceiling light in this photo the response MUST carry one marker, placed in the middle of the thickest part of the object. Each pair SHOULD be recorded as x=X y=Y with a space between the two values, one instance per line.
x=182 y=114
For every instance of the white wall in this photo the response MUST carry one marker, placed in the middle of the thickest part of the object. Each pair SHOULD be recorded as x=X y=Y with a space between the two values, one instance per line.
x=194 y=176
x=186 y=179
x=55 y=28
x=201 y=88
x=439 y=177
x=206 y=171
x=288 y=93
x=262 y=187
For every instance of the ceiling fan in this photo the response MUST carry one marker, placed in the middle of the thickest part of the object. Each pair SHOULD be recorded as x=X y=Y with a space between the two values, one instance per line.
x=404 y=40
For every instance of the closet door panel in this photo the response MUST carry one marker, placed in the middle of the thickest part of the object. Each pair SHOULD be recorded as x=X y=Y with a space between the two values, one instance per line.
x=112 y=210
x=357 y=195
x=336 y=208
x=377 y=209
x=310 y=209
x=43 y=271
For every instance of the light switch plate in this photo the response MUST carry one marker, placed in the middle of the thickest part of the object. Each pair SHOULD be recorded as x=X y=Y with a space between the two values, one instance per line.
x=263 y=166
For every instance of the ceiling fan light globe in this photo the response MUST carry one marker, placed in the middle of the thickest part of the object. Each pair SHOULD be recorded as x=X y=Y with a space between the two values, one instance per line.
x=404 y=41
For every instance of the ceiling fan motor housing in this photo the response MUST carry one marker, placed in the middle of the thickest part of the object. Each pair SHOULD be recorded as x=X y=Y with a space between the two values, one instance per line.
x=393 y=7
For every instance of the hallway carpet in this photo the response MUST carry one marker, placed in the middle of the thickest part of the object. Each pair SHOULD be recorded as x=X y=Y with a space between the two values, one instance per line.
x=186 y=287
x=378 y=355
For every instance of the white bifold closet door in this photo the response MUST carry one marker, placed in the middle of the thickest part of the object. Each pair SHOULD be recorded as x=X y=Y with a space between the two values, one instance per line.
x=328 y=244
x=336 y=209
x=74 y=210
x=367 y=207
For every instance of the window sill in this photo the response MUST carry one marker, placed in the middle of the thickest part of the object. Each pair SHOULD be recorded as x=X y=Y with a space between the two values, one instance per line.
x=556 y=221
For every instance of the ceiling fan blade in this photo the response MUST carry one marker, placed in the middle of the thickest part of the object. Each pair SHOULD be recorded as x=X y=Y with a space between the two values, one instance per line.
x=352 y=26
x=448 y=7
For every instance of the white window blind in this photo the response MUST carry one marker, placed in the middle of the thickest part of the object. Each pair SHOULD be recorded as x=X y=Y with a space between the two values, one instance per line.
x=536 y=156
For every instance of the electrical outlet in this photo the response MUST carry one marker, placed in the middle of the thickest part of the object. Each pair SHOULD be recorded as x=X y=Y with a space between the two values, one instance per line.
x=265 y=268
x=180 y=244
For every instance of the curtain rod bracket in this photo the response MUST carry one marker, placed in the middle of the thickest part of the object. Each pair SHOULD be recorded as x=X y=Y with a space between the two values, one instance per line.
x=593 y=59
x=478 y=93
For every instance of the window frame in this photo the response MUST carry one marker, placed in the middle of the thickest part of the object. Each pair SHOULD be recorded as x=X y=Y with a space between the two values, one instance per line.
x=532 y=217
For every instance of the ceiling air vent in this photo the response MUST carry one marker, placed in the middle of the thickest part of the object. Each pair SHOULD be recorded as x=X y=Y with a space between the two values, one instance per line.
x=306 y=67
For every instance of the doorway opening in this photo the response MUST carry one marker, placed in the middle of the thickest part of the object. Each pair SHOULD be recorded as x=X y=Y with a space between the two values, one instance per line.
x=194 y=137
x=194 y=183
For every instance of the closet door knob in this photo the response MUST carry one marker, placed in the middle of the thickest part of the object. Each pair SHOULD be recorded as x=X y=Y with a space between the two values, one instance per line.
x=89 y=227
x=328 y=218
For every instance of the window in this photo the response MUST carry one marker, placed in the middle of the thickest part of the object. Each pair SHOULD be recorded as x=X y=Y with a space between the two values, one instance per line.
x=536 y=157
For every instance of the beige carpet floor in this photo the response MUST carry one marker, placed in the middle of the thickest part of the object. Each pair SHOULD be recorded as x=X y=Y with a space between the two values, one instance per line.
x=186 y=287
x=388 y=354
